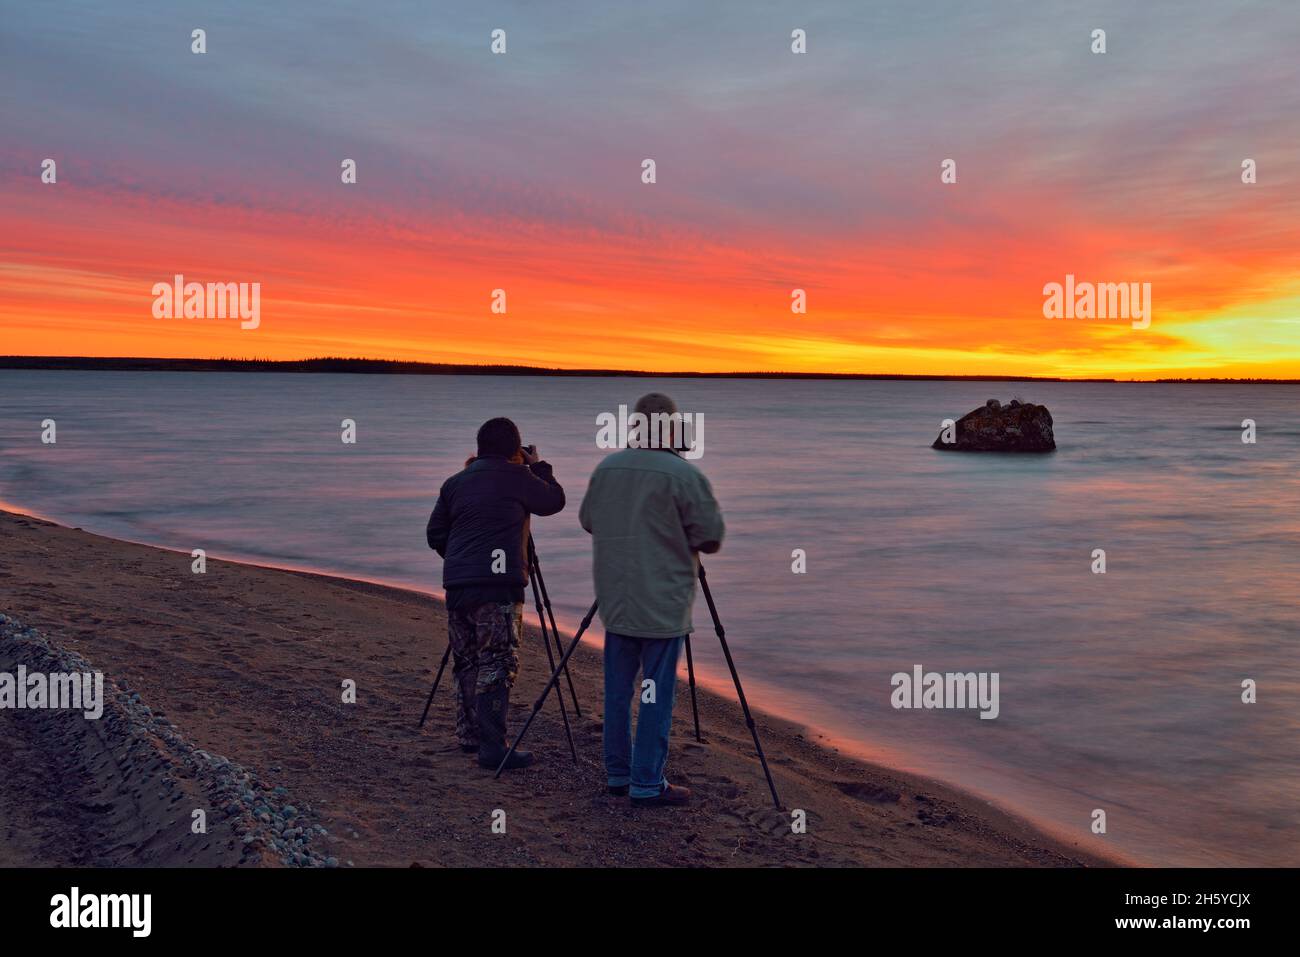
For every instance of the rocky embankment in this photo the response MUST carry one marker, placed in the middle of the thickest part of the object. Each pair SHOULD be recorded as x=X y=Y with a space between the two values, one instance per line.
x=123 y=789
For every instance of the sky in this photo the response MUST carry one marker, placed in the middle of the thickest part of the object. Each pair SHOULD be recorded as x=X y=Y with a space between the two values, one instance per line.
x=775 y=171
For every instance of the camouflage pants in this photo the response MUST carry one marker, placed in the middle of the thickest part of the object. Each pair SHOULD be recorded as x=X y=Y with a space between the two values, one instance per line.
x=485 y=656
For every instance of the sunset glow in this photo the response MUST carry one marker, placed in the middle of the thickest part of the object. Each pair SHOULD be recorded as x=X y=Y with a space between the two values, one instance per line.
x=774 y=172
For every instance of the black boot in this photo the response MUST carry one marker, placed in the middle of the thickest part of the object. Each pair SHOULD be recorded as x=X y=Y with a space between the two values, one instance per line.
x=492 y=745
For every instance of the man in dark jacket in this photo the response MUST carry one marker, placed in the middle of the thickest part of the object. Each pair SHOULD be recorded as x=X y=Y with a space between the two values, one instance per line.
x=480 y=528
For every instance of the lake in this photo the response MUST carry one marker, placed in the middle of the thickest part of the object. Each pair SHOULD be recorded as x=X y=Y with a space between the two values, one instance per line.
x=1119 y=691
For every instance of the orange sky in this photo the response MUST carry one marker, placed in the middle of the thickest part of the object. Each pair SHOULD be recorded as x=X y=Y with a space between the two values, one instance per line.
x=359 y=287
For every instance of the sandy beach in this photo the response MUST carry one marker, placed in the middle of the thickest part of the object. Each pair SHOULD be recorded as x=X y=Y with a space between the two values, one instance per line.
x=227 y=697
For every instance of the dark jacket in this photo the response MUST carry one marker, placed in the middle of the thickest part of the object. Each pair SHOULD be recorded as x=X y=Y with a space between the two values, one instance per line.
x=483 y=508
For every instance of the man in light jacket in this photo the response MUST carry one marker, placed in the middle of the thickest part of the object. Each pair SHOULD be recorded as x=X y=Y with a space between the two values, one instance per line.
x=650 y=512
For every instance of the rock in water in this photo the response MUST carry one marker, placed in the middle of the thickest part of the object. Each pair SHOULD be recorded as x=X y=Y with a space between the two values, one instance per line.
x=1017 y=427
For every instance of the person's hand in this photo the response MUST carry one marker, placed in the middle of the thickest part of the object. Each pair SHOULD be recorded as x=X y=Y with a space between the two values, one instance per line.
x=530 y=455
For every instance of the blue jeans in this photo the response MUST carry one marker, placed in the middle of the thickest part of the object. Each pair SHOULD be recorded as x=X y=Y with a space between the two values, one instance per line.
x=640 y=765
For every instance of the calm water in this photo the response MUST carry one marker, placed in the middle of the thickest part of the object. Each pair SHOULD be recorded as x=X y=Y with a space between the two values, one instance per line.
x=1118 y=691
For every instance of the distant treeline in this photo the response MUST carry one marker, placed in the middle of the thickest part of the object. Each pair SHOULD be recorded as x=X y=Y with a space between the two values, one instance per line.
x=1233 y=381
x=334 y=364
x=396 y=367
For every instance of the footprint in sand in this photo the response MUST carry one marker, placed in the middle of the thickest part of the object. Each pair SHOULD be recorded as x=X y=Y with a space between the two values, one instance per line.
x=773 y=822
x=932 y=818
x=718 y=787
x=868 y=792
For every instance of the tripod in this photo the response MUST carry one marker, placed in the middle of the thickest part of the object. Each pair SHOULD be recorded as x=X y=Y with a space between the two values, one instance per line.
x=540 y=599
x=534 y=578
x=731 y=665
x=536 y=565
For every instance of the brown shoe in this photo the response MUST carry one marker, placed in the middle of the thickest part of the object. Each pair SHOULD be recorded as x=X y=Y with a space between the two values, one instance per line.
x=670 y=796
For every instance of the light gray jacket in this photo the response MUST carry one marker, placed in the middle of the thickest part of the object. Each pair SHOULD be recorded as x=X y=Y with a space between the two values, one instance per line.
x=648 y=512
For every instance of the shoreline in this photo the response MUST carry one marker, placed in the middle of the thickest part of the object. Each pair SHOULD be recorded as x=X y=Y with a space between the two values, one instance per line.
x=247 y=659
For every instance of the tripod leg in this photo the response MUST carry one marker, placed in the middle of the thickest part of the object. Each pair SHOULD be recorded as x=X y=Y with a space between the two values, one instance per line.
x=554 y=679
x=550 y=656
x=690 y=675
x=445 y=655
x=555 y=632
x=740 y=692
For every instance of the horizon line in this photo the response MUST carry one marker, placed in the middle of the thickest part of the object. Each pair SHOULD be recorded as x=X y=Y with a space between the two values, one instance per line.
x=374 y=366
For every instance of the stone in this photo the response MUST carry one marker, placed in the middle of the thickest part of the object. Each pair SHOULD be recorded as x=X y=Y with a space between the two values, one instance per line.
x=1018 y=427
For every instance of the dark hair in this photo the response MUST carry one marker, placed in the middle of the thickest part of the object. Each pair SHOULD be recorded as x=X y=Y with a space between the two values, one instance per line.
x=498 y=437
